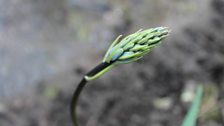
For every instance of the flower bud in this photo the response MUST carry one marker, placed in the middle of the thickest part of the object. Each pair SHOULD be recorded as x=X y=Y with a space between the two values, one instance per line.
x=135 y=46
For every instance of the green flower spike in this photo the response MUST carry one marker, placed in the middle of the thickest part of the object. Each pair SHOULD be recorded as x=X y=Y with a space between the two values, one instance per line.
x=131 y=48
x=127 y=50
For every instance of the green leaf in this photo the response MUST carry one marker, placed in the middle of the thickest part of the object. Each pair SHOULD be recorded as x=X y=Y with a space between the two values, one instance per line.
x=192 y=114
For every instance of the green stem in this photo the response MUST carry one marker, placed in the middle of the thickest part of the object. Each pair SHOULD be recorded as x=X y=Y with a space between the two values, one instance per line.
x=74 y=101
x=98 y=69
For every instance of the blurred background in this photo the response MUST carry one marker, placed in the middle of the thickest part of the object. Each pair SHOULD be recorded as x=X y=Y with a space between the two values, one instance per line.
x=46 y=46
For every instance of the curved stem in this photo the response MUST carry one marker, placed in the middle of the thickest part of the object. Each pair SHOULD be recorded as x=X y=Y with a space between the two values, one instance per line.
x=78 y=90
x=75 y=97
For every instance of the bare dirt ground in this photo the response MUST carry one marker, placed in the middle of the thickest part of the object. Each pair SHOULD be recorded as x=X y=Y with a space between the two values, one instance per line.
x=144 y=93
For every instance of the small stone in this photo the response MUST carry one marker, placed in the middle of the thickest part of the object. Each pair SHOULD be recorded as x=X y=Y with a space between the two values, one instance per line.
x=163 y=103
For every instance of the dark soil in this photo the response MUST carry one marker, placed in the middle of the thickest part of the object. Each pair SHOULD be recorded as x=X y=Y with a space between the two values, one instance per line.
x=126 y=95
